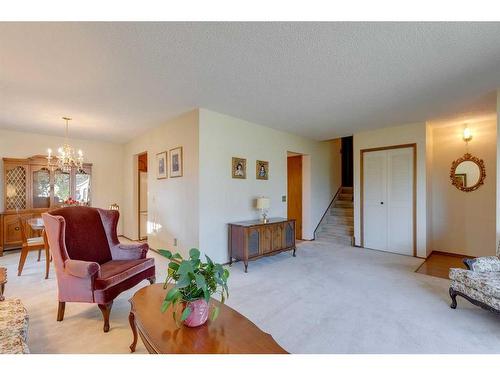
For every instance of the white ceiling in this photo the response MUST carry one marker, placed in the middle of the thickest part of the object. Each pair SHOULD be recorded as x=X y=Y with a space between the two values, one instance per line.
x=320 y=80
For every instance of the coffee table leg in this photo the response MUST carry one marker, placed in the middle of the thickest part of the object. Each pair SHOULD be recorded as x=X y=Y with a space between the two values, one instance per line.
x=2 y=290
x=131 y=320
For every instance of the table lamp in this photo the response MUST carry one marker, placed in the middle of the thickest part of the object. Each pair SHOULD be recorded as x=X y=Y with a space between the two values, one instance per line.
x=263 y=205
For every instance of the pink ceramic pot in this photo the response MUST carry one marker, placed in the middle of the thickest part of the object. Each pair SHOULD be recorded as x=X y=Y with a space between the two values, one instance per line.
x=199 y=313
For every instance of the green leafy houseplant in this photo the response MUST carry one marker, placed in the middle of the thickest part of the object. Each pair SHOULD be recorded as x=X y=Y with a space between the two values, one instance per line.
x=191 y=280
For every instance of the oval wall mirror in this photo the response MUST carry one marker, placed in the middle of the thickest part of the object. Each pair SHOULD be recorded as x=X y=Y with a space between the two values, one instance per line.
x=467 y=173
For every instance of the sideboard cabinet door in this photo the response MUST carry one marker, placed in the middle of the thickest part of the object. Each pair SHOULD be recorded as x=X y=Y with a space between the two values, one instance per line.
x=290 y=234
x=253 y=242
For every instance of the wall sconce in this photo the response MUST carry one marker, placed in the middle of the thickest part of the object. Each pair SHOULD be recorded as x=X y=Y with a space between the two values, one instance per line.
x=467 y=135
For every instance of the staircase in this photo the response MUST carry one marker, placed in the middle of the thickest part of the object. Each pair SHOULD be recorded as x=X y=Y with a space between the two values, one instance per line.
x=337 y=226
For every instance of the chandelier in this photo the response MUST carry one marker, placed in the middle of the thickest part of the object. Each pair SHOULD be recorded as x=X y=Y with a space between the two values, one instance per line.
x=66 y=157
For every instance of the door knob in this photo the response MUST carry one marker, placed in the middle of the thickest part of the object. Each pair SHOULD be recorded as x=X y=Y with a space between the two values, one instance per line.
x=381 y=202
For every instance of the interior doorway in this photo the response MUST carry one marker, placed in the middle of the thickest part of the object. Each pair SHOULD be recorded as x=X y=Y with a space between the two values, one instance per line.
x=347 y=161
x=142 y=188
x=294 y=187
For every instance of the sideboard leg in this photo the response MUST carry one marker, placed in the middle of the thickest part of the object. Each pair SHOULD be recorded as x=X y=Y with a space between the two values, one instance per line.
x=131 y=320
x=294 y=249
x=246 y=266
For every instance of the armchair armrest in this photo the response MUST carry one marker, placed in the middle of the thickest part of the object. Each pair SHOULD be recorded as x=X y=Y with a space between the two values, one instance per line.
x=483 y=264
x=129 y=252
x=80 y=268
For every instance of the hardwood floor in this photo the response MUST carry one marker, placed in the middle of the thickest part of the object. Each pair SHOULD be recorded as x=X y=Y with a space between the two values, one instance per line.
x=438 y=264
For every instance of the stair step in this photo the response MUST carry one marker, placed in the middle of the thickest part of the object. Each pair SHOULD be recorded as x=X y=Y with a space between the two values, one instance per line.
x=346 y=240
x=342 y=211
x=343 y=226
x=338 y=231
x=343 y=204
x=346 y=190
x=344 y=197
x=331 y=219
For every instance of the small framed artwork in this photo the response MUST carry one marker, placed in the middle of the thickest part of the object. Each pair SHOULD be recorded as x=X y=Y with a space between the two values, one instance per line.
x=176 y=162
x=161 y=165
x=262 y=170
x=239 y=168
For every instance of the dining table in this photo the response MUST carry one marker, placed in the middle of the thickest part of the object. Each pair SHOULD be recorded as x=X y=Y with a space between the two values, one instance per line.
x=37 y=224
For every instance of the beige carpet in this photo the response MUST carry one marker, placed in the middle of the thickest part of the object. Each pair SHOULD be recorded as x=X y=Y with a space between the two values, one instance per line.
x=329 y=299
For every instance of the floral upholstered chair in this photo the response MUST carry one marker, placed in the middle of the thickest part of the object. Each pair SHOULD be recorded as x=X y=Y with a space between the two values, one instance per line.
x=13 y=327
x=479 y=284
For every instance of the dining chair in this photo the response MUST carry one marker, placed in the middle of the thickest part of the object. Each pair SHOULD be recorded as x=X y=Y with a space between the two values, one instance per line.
x=31 y=244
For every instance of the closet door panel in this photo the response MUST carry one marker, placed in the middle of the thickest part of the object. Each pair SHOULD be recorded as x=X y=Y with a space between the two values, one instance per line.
x=374 y=197
x=400 y=200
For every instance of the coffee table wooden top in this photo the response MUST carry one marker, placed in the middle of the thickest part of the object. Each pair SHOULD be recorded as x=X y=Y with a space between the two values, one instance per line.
x=230 y=333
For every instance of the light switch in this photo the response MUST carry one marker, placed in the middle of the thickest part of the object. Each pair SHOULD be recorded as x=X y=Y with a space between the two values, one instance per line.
x=283 y=198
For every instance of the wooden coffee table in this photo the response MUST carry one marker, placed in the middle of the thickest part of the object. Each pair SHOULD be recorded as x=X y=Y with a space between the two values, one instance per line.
x=230 y=333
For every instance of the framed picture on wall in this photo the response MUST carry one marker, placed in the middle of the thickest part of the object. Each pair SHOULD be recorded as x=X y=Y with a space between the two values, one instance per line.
x=176 y=162
x=262 y=170
x=161 y=165
x=239 y=168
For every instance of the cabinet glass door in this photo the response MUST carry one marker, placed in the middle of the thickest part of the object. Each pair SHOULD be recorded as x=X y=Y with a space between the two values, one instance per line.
x=61 y=187
x=15 y=187
x=82 y=187
x=41 y=188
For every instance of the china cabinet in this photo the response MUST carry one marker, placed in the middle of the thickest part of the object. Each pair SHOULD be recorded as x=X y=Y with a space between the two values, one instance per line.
x=30 y=187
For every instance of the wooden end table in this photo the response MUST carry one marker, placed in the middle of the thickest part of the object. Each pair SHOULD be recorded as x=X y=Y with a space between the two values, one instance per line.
x=230 y=333
x=3 y=281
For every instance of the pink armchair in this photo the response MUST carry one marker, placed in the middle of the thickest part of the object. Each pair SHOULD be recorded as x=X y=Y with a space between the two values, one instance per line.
x=91 y=265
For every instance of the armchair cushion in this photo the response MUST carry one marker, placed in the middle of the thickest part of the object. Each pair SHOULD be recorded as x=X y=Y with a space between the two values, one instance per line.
x=128 y=252
x=80 y=268
x=117 y=271
x=484 y=264
x=487 y=283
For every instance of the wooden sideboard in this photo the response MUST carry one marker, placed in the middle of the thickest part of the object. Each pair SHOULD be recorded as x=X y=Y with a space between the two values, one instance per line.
x=31 y=188
x=254 y=239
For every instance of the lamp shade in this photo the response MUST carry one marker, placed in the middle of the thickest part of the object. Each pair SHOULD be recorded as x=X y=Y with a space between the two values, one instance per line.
x=262 y=203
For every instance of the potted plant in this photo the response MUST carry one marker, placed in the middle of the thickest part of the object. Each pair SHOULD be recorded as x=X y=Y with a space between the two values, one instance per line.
x=190 y=285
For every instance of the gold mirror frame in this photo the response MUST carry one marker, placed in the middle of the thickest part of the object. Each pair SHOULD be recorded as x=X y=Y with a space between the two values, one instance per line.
x=482 y=172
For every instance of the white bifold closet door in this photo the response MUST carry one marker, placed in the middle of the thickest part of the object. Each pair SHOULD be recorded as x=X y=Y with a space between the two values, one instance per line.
x=388 y=200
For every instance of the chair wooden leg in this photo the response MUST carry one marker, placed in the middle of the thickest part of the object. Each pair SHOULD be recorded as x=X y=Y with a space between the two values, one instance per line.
x=39 y=254
x=106 y=310
x=22 y=259
x=60 y=311
x=47 y=262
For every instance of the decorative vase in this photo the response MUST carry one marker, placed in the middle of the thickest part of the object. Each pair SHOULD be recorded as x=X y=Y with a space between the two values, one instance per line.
x=199 y=313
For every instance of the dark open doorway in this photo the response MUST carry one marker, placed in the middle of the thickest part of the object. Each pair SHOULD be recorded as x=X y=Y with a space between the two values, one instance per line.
x=347 y=162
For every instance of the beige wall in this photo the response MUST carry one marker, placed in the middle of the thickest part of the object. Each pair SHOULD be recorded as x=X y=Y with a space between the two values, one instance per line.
x=404 y=134
x=464 y=223
x=224 y=199
x=172 y=202
x=106 y=158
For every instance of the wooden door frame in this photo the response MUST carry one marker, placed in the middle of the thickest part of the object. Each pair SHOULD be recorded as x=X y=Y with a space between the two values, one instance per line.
x=138 y=172
x=361 y=154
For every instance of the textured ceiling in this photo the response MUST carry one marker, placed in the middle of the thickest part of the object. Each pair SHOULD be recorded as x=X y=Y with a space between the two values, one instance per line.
x=320 y=80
